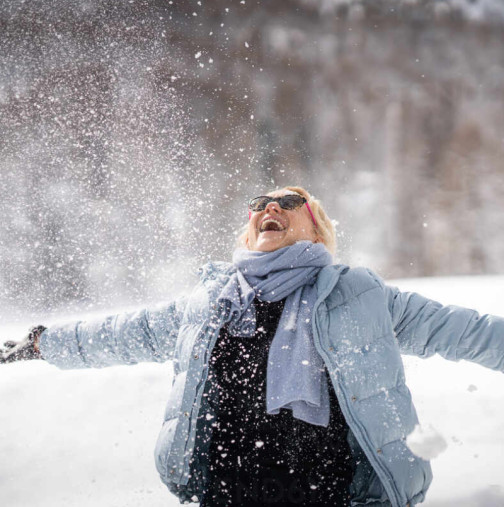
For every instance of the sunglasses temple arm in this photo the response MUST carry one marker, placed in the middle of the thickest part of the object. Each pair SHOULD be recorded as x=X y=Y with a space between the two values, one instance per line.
x=313 y=218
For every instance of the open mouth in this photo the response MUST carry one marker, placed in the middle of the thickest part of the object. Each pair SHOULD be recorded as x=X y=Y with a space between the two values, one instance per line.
x=271 y=225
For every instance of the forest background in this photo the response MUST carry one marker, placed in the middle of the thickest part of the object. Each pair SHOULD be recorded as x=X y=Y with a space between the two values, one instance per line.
x=134 y=133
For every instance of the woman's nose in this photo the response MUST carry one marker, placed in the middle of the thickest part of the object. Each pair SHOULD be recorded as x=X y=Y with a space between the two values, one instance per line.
x=272 y=207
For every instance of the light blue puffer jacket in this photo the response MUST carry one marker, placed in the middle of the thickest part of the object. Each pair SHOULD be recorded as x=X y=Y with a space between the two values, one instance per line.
x=360 y=327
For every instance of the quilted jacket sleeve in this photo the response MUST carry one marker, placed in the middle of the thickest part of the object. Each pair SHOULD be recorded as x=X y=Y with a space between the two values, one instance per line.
x=126 y=338
x=425 y=327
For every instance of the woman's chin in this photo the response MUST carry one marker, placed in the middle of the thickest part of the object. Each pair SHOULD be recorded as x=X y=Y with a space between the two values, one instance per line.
x=270 y=244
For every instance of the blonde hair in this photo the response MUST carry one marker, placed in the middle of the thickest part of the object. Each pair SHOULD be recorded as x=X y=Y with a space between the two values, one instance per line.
x=325 y=228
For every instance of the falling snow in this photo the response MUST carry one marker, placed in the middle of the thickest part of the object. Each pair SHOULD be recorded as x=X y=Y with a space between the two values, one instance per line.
x=133 y=135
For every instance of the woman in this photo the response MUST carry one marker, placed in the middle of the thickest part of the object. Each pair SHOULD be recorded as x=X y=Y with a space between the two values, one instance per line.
x=289 y=385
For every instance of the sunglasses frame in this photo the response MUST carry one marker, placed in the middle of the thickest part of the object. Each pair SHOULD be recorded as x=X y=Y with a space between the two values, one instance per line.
x=278 y=199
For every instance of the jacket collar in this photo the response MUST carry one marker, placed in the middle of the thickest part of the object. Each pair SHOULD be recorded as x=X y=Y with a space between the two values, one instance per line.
x=212 y=270
x=328 y=278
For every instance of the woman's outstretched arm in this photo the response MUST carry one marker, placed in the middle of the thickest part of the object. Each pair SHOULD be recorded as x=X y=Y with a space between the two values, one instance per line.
x=128 y=338
x=425 y=327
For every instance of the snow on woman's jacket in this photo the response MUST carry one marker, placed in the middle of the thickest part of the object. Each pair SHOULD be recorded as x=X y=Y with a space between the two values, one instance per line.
x=360 y=327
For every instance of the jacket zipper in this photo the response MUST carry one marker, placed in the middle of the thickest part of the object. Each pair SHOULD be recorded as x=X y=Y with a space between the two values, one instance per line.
x=201 y=386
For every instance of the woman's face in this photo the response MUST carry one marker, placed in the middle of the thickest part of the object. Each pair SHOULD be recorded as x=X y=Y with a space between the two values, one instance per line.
x=275 y=228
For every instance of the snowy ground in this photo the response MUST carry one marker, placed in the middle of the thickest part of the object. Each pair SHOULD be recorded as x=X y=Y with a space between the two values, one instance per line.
x=86 y=438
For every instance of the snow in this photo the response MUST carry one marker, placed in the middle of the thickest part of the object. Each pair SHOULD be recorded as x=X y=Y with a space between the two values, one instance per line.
x=426 y=443
x=85 y=438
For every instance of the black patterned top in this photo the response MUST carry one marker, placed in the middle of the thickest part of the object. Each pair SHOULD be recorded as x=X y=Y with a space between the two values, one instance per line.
x=259 y=459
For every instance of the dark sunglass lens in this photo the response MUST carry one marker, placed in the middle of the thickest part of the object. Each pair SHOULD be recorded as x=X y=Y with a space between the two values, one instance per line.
x=291 y=201
x=259 y=203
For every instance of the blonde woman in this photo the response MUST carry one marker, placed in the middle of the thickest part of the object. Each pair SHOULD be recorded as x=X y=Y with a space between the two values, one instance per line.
x=289 y=385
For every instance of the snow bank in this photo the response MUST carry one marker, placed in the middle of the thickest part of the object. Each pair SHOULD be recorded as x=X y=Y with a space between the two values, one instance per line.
x=86 y=438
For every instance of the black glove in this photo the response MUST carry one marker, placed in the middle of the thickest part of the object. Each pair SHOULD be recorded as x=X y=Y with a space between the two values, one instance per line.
x=23 y=350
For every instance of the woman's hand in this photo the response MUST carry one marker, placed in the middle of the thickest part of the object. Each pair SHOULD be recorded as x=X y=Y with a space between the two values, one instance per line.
x=24 y=349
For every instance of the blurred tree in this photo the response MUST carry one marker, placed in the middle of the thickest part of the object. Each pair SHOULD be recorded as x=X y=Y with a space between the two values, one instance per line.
x=134 y=133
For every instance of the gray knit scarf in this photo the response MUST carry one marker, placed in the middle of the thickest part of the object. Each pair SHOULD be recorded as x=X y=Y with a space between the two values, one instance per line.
x=295 y=376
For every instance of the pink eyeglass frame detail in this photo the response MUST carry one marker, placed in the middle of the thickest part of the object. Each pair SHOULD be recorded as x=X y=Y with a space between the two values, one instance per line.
x=311 y=214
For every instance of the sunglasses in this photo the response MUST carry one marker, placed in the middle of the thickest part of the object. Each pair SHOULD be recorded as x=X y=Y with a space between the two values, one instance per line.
x=287 y=202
